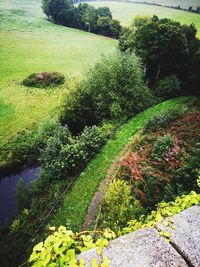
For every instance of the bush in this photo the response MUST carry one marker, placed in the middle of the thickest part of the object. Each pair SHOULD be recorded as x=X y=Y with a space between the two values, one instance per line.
x=186 y=175
x=44 y=79
x=113 y=90
x=168 y=87
x=118 y=205
x=162 y=146
x=27 y=147
x=162 y=119
x=64 y=157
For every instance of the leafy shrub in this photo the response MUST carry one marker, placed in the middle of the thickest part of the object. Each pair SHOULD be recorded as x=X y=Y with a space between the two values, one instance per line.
x=162 y=146
x=27 y=147
x=113 y=90
x=163 y=118
x=168 y=87
x=66 y=156
x=186 y=174
x=44 y=79
x=67 y=245
x=118 y=205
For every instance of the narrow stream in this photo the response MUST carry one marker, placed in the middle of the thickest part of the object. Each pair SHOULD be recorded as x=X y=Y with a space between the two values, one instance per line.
x=8 y=192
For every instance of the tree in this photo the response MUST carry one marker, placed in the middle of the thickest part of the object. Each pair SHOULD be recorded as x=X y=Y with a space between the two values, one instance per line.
x=114 y=89
x=90 y=18
x=79 y=15
x=103 y=25
x=115 y=28
x=59 y=11
x=168 y=87
x=104 y=12
x=165 y=46
x=109 y=27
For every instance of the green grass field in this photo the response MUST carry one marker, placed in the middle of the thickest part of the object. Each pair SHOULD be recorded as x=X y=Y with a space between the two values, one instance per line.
x=125 y=12
x=182 y=3
x=29 y=43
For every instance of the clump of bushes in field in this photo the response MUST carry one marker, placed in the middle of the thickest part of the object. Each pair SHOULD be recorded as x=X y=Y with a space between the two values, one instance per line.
x=113 y=90
x=44 y=79
x=82 y=16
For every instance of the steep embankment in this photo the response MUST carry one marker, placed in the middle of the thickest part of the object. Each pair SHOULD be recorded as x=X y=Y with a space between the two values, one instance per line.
x=75 y=206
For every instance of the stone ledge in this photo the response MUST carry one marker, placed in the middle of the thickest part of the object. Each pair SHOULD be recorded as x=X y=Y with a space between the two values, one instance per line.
x=142 y=248
x=185 y=237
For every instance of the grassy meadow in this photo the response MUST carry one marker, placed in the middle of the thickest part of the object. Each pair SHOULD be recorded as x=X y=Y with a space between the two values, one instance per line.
x=182 y=3
x=29 y=43
x=125 y=12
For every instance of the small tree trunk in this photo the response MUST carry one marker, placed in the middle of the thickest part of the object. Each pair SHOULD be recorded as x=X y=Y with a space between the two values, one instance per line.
x=158 y=72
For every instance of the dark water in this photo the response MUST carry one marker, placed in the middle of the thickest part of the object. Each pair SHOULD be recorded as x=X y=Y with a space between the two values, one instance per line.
x=8 y=192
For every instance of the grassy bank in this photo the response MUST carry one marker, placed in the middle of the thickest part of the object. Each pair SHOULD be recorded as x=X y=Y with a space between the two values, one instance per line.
x=74 y=209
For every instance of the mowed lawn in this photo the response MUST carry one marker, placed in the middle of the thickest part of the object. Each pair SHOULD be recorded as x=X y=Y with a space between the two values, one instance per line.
x=29 y=43
x=125 y=12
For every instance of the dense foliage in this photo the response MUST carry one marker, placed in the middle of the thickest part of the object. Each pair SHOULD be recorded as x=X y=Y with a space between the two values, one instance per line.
x=118 y=205
x=44 y=79
x=62 y=246
x=27 y=147
x=83 y=16
x=59 y=11
x=168 y=87
x=66 y=155
x=166 y=47
x=157 y=167
x=164 y=117
x=112 y=90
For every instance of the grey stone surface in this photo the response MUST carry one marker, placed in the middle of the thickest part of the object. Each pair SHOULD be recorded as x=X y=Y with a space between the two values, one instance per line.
x=185 y=236
x=142 y=248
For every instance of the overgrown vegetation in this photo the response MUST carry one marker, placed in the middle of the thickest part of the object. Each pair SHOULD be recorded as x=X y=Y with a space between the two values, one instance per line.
x=66 y=155
x=113 y=90
x=44 y=79
x=158 y=168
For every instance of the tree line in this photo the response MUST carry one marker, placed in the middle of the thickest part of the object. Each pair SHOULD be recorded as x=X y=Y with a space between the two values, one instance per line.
x=83 y=16
x=170 y=53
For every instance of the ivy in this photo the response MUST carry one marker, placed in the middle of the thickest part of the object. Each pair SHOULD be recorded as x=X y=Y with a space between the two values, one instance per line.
x=62 y=246
x=164 y=210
